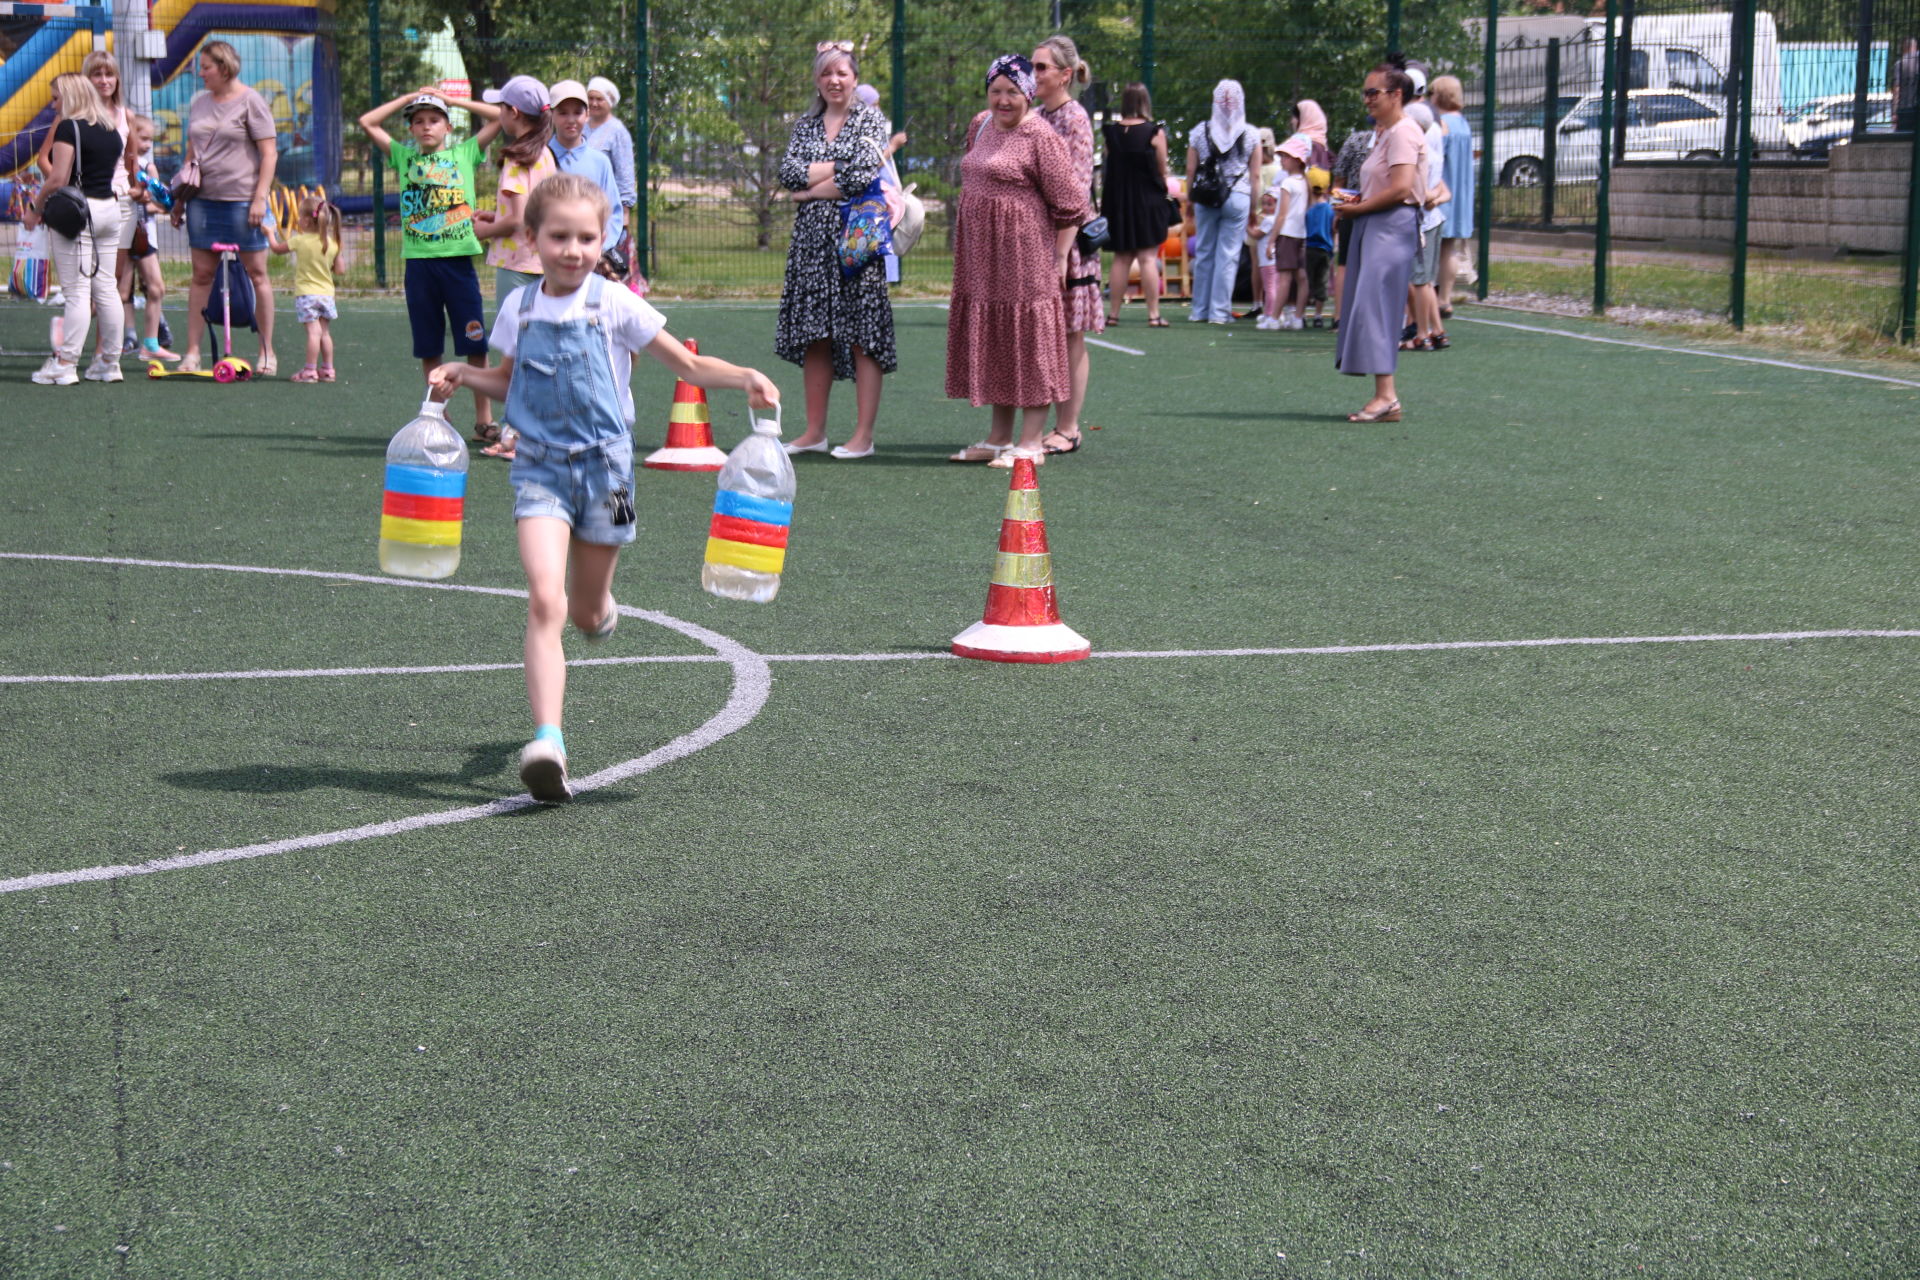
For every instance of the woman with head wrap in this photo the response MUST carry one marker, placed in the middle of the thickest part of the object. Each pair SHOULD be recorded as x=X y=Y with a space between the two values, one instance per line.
x=1225 y=143
x=1058 y=69
x=605 y=132
x=1309 y=119
x=1020 y=208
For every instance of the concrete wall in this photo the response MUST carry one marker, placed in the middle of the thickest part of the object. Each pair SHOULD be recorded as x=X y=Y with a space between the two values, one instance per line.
x=1857 y=201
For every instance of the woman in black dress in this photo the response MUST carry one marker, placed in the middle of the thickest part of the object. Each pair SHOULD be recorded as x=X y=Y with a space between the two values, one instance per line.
x=1134 y=201
x=830 y=326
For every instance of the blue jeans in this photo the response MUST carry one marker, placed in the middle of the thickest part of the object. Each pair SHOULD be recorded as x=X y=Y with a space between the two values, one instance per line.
x=1218 y=235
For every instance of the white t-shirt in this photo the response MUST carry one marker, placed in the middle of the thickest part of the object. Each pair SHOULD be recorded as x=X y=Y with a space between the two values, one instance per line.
x=631 y=322
x=1293 y=193
x=1436 y=169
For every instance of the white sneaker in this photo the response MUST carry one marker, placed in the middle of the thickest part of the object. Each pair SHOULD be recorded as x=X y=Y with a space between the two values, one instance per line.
x=1265 y=322
x=1295 y=322
x=55 y=374
x=104 y=371
x=543 y=771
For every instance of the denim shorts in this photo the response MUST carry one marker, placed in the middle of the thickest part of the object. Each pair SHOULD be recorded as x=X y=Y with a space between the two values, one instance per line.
x=580 y=484
x=211 y=222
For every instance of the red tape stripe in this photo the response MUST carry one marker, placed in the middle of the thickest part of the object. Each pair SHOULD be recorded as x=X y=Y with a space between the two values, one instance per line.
x=734 y=529
x=1027 y=537
x=414 y=506
x=1021 y=606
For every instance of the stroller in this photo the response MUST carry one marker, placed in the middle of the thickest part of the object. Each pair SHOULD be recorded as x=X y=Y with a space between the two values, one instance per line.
x=231 y=302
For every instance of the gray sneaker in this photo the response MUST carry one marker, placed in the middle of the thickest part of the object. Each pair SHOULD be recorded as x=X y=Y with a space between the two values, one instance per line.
x=543 y=771
x=599 y=632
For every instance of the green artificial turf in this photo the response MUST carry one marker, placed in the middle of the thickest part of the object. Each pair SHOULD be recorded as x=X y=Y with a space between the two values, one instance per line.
x=1567 y=961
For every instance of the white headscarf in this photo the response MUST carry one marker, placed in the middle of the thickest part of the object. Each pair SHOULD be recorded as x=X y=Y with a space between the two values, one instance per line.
x=600 y=84
x=1229 y=114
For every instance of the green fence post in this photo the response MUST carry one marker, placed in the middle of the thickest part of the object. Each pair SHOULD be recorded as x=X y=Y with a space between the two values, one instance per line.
x=1483 y=208
x=1603 y=213
x=379 y=162
x=642 y=139
x=1910 y=265
x=1146 y=45
x=1393 y=26
x=899 y=43
x=1742 y=168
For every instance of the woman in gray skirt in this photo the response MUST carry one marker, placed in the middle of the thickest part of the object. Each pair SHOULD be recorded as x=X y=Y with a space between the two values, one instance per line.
x=1386 y=235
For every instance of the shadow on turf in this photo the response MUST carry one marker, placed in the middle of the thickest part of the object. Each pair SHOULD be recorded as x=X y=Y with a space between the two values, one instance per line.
x=487 y=774
x=339 y=446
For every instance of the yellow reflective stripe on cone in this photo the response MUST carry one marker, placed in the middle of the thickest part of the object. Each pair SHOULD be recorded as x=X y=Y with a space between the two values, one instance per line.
x=744 y=555
x=423 y=533
x=1014 y=569
x=1023 y=504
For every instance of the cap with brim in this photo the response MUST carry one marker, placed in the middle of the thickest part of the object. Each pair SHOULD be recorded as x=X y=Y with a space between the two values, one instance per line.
x=561 y=90
x=1419 y=79
x=423 y=102
x=523 y=93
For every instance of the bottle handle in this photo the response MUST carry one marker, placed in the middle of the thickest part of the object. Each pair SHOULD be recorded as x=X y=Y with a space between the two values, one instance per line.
x=762 y=424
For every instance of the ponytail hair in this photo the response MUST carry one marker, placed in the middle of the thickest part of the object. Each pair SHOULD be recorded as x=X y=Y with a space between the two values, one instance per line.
x=1394 y=78
x=324 y=211
x=525 y=150
x=1068 y=54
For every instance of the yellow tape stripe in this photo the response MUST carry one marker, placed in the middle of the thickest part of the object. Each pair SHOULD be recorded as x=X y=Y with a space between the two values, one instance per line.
x=422 y=533
x=689 y=414
x=745 y=555
x=1012 y=569
x=1023 y=504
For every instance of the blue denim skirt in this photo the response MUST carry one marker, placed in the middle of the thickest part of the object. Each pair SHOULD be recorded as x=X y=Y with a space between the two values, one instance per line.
x=211 y=222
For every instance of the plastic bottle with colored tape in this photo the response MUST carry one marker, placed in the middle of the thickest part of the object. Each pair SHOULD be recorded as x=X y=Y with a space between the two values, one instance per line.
x=426 y=493
x=747 y=541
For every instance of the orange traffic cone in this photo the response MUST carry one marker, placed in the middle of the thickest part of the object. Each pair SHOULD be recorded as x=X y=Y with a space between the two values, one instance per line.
x=689 y=444
x=1022 y=622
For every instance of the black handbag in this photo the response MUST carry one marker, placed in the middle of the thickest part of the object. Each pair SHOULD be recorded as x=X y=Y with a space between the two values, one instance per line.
x=66 y=209
x=1093 y=237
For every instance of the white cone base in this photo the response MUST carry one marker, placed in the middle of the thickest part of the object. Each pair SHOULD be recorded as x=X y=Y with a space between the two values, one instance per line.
x=1056 y=642
x=702 y=459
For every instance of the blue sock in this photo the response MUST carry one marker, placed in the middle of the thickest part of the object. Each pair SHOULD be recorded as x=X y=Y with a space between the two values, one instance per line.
x=551 y=733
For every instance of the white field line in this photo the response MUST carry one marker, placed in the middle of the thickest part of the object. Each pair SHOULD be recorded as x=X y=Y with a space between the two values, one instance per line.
x=1113 y=346
x=1689 y=351
x=752 y=682
x=1325 y=650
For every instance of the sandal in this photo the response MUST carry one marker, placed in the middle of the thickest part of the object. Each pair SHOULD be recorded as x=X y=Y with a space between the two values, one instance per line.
x=1013 y=453
x=1072 y=442
x=503 y=447
x=268 y=366
x=1389 y=412
x=1438 y=342
x=1157 y=322
x=982 y=451
x=307 y=374
x=1114 y=318
x=1446 y=313
x=486 y=433
x=326 y=373
x=1410 y=344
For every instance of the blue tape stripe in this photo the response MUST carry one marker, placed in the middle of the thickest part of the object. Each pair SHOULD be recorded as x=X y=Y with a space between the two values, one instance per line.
x=426 y=482
x=743 y=506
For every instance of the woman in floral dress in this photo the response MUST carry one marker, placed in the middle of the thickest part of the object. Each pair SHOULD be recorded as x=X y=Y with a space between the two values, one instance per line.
x=830 y=326
x=1020 y=208
x=1057 y=68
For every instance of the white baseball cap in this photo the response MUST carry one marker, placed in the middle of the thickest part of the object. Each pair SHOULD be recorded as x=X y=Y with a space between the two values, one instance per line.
x=561 y=90
x=423 y=102
x=1419 y=79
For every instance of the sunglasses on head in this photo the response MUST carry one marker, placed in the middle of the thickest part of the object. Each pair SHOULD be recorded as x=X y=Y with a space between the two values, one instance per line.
x=834 y=46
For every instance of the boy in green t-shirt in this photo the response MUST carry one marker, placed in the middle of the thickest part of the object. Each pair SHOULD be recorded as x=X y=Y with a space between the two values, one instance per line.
x=436 y=232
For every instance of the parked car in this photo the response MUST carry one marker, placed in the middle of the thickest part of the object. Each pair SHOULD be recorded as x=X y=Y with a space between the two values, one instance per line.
x=1825 y=123
x=1661 y=124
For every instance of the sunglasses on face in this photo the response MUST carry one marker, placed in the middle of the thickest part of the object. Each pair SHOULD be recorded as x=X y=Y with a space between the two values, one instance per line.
x=1371 y=94
x=1043 y=66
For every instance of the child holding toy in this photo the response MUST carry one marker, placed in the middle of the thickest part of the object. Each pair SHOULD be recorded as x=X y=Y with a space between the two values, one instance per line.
x=143 y=254
x=567 y=342
x=437 y=231
x=315 y=246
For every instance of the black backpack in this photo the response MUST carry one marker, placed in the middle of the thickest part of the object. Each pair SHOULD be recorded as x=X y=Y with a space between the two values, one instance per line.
x=1207 y=188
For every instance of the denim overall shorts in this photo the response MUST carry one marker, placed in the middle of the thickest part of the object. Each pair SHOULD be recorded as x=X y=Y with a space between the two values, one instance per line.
x=574 y=459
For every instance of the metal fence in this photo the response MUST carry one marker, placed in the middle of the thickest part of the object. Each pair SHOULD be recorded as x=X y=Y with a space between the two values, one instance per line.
x=1684 y=159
